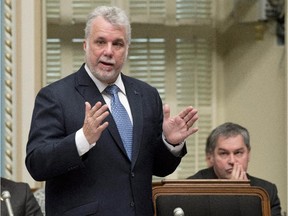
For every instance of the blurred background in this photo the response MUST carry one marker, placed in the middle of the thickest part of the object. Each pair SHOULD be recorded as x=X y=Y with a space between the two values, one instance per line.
x=227 y=58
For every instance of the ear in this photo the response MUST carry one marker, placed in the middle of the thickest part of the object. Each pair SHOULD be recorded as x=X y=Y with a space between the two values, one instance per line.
x=84 y=45
x=127 y=51
x=211 y=155
x=249 y=155
x=209 y=160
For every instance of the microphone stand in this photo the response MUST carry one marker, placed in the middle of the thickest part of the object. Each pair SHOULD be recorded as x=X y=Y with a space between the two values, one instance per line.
x=5 y=196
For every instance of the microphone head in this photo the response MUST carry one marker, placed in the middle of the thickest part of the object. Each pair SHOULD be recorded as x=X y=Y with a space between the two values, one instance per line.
x=178 y=212
x=6 y=195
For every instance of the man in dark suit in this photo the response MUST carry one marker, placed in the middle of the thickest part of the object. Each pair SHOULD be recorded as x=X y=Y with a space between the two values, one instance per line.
x=75 y=143
x=228 y=148
x=22 y=200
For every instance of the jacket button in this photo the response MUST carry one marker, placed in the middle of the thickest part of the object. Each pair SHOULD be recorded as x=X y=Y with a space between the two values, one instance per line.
x=132 y=174
x=132 y=204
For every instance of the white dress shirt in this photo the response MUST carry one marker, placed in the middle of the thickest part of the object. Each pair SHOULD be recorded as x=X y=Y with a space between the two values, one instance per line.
x=81 y=142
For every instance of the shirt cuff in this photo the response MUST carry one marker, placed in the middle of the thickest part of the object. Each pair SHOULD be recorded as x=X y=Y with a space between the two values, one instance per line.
x=174 y=149
x=82 y=144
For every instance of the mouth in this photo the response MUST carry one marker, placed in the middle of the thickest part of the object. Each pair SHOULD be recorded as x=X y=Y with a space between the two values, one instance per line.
x=106 y=65
x=229 y=170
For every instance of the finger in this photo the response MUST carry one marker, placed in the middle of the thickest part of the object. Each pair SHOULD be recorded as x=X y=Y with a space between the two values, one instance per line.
x=242 y=174
x=99 y=114
x=194 y=117
x=99 y=110
x=87 y=106
x=234 y=174
x=190 y=124
x=190 y=116
x=87 y=109
x=100 y=118
x=166 y=111
x=245 y=175
x=192 y=130
x=95 y=108
x=102 y=127
x=238 y=171
x=186 y=111
x=91 y=110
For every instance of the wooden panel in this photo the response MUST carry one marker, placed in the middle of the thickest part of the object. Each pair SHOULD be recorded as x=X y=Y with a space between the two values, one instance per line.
x=221 y=188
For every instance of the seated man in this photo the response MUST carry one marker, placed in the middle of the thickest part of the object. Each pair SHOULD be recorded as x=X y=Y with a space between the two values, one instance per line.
x=228 y=148
x=22 y=199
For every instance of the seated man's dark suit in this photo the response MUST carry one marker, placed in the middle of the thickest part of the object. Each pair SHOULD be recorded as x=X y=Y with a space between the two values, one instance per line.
x=271 y=188
x=22 y=200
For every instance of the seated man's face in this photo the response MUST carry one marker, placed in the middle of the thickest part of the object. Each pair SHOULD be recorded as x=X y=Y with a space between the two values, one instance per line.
x=230 y=152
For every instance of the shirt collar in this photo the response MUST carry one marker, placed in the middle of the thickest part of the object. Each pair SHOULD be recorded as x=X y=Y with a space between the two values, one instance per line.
x=101 y=86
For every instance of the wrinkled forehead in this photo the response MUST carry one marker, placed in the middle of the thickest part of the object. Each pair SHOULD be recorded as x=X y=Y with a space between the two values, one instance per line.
x=230 y=143
x=101 y=27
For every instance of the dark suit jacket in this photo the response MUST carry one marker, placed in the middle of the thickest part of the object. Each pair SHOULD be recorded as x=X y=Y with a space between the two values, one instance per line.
x=22 y=200
x=103 y=181
x=268 y=186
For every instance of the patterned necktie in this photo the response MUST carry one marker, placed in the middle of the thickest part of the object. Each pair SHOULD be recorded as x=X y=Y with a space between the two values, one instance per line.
x=121 y=118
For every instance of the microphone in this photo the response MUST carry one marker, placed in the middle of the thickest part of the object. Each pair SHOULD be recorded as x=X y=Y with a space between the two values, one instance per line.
x=178 y=212
x=6 y=197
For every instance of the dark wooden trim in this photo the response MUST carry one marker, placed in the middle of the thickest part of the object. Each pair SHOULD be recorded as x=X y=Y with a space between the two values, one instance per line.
x=210 y=187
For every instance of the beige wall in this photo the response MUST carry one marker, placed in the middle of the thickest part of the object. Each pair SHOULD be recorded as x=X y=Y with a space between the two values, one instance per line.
x=252 y=92
x=27 y=71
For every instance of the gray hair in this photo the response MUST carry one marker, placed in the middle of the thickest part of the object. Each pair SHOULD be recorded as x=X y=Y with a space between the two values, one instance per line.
x=113 y=15
x=226 y=130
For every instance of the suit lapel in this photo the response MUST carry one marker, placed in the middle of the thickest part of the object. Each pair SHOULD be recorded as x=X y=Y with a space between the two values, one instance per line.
x=87 y=88
x=134 y=97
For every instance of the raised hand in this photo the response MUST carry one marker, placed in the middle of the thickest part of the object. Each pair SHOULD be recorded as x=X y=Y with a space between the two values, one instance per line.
x=177 y=129
x=93 y=123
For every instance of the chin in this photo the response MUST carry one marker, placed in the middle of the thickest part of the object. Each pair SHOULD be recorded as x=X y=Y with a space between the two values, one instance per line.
x=105 y=76
x=108 y=78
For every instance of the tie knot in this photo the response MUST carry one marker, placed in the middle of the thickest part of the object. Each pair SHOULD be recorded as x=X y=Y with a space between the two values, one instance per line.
x=112 y=89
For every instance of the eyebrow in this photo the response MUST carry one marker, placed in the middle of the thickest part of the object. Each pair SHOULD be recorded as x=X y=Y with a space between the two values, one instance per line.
x=222 y=149
x=116 y=40
x=119 y=40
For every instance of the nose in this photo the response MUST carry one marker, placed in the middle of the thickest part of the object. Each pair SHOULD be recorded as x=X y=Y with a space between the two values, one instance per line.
x=108 y=49
x=231 y=159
